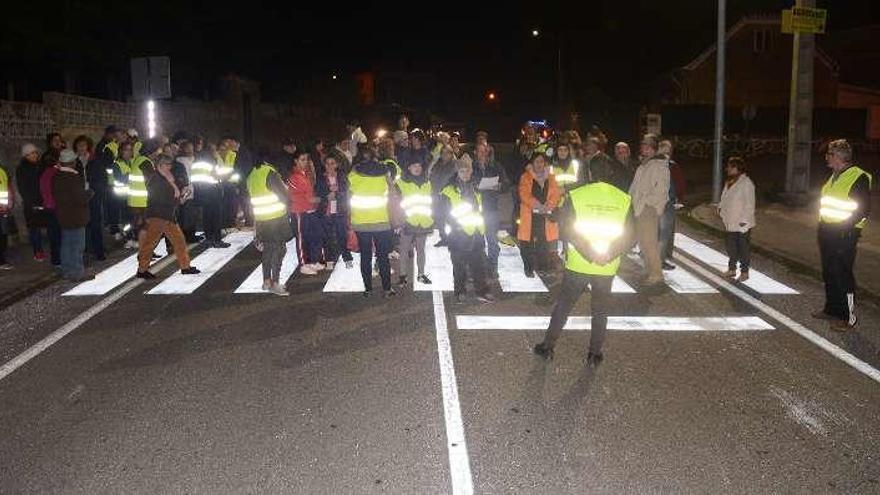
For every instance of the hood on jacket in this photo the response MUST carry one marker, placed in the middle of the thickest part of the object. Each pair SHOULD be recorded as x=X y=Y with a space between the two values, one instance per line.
x=371 y=168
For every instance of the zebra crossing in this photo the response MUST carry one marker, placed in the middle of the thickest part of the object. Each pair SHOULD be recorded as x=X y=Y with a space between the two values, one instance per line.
x=438 y=265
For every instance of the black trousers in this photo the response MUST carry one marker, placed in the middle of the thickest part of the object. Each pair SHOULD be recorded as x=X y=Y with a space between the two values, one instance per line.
x=335 y=237
x=209 y=198
x=383 y=241
x=573 y=285
x=469 y=258
x=739 y=250
x=837 y=248
x=95 y=227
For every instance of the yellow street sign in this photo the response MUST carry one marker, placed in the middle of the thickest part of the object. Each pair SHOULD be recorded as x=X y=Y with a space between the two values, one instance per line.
x=804 y=20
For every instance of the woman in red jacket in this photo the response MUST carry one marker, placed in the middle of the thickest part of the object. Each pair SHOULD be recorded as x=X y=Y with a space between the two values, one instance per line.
x=307 y=224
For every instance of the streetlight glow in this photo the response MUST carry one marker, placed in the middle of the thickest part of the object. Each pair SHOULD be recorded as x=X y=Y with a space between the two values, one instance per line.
x=334 y=77
x=491 y=95
x=536 y=33
x=151 y=119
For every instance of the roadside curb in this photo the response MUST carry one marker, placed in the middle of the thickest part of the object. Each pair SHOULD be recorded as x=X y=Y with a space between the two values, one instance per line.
x=795 y=265
x=38 y=284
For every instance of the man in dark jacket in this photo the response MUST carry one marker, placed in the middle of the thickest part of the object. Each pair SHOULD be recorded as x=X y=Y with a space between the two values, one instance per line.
x=72 y=209
x=161 y=220
x=496 y=184
x=27 y=180
x=97 y=176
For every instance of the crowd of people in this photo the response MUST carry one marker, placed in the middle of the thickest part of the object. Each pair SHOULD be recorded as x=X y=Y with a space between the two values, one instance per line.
x=383 y=198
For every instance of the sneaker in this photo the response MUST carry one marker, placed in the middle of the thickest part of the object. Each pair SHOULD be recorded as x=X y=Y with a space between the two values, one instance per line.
x=530 y=274
x=389 y=293
x=822 y=315
x=731 y=274
x=486 y=298
x=349 y=264
x=330 y=266
x=543 y=350
x=6 y=266
x=219 y=244
x=367 y=293
x=394 y=255
x=424 y=279
x=40 y=256
x=668 y=266
x=743 y=276
x=191 y=271
x=594 y=360
x=319 y=266
x=118 y=236
x=279 y=290
x=308 y=269
x=843 y=325
x=402 y=282
x=145 y=275
x=130 y=244
x=267 y=286
x=460 y=299
x=441 y=243
x=155 y=255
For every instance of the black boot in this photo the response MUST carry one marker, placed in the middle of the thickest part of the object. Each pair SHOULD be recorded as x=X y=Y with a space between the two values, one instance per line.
x=543 y=350
x=594 y=360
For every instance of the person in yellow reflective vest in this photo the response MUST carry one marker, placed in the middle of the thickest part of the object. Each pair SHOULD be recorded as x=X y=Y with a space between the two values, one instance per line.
x=369 y=187
x=6 y=199
x=118 y=195
x=141 y=169
x=600 y=230
x=208 y=197
x=466 y=233
x=844 y=209
x=565 y=167
x=416 y=202
x=268 y=200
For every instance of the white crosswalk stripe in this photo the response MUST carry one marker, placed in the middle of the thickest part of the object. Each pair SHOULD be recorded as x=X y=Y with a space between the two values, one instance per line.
x=627 y=323
x=438 y=267
x=254 y=283
x=112 y=277
x=680 y=280
x=511 y=273
x=344 y=279
x=209 y=262
x=757 y=280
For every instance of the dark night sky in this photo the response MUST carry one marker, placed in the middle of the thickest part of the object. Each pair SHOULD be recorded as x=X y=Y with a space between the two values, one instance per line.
x=611 y=45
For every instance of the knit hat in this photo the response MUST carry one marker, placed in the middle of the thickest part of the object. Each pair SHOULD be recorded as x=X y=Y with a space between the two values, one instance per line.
x=464 y=162
x=29 y=148
x=67 y=156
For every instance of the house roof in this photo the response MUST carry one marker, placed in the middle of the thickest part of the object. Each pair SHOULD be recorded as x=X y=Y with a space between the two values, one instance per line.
x=759 y=20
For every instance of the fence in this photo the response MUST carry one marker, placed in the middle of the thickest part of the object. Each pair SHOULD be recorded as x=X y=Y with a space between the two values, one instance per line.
x=698 y=147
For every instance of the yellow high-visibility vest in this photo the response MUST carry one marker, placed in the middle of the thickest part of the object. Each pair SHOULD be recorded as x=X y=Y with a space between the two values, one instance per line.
x=4 y=188
x=202 y=172
x=567 y=176
x=137 y=182
x=265 y=203
x=835 y=206
x=368 y=199
x=416 y=203
x=600 y=218
x=467 y=215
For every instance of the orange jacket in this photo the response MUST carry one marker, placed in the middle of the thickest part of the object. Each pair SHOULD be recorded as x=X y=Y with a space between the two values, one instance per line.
x=527 y=202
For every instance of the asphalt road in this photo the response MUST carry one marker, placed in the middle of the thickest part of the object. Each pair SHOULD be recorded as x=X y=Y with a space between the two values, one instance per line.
x=216 y=392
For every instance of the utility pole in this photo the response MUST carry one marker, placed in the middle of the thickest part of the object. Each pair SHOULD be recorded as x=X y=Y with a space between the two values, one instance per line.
x=720 y=60
x=800 y=115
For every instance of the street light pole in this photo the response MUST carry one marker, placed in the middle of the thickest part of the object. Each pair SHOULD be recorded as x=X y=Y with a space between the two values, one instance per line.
x=800 y=114
x=720 y=52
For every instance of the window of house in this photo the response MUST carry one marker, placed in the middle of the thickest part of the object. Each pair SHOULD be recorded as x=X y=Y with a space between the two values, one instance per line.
x=761 y=40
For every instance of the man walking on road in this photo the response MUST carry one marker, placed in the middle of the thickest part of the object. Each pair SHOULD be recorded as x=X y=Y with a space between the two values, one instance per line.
x=650 y=193
x=600 y=227
x=844 y=210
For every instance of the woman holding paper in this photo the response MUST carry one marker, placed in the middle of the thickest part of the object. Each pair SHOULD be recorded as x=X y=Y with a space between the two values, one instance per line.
x=539 y=195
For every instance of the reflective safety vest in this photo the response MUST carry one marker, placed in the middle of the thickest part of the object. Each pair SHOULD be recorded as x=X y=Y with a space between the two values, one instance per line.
x=120 y=186
x=368 y=199
x=265 y=203
x=398 y=172
x=567 y=176
x=600 y=217
x=137 y=183
x=202 y=172
x=4 y=189
x=225 y=168
x=136 y=148
x=468 y=216
x=836 y=205
x=113 y=147
x=416 y=203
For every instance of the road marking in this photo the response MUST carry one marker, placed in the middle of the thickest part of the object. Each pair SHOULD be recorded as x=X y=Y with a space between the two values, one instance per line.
x=459 y=463
x=511 y=272
x=618 y=286
x=344 y=279
x=254 y=283
x=112 y=277
x=796 y=327
x=679 y=280
x=626 y=323
x=438 y=267
x=758 y=281
x=209 y=262
x=77 y=321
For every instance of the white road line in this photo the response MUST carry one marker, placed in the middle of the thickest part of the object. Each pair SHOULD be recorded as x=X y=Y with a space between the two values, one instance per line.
x=438 y=267
x=511 y=273
x=254 y=283
x=209 y=262
x=112 y=277
x=459 y=462
x=758 y=281
x=625 y=323
x=796 y=327
x=77 y=321
x=680 y=280
x=344 y=279
x=618 y=286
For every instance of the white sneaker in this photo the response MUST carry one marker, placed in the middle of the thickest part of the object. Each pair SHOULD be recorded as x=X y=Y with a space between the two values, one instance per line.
x=308 y=269
x=267 y=286
x=319 y=266
x=330 y=265
x=117 y=236
x=130 y=244
x=349 y=264
x=279 y=290
x=394 y=255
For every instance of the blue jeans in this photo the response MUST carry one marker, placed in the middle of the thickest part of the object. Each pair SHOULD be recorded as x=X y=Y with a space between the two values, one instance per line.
x=73 y=243
x=492 y=226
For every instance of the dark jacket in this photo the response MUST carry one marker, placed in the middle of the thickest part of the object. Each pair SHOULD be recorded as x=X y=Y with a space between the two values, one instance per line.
x=96 y=169
x=71 y=199
x=490 y=197
x=161 y=202
x=322 y=189
x=27 y=180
